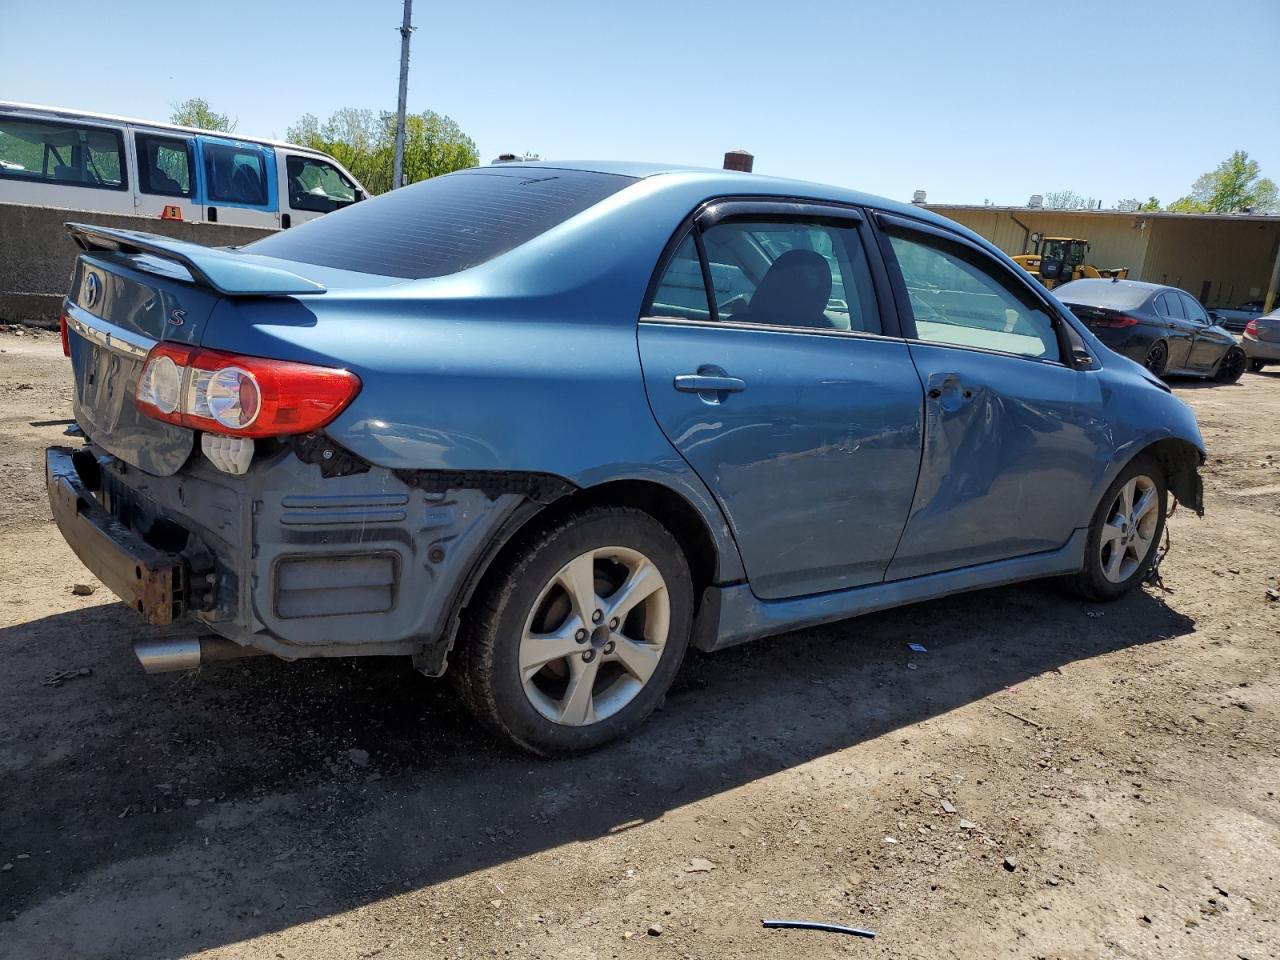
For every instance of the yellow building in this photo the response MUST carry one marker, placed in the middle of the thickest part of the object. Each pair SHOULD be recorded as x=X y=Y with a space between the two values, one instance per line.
x=1220 y=259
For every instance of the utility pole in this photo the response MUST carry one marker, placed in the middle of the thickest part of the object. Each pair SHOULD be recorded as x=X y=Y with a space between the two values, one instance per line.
x=406 y=28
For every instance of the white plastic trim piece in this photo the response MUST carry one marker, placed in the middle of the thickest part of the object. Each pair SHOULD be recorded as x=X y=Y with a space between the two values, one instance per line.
x=229 y=454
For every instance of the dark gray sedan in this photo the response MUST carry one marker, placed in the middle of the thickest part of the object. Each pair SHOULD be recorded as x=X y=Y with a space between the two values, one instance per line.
x=1261 y=341
x=1162 y=328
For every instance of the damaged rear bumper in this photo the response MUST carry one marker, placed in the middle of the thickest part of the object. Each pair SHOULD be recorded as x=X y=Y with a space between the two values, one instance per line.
x=292 y=557
x=150 y=581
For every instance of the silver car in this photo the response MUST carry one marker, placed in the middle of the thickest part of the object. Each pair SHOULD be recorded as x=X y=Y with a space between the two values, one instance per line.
x=1261 y=341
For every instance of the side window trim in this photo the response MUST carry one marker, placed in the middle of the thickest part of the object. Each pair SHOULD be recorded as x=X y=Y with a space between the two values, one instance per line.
x=722 y=209
x=906 y=316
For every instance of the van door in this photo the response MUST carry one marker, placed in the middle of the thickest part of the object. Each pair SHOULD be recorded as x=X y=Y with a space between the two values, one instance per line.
x=311 y=187
x=165 y=181
x=239 y=181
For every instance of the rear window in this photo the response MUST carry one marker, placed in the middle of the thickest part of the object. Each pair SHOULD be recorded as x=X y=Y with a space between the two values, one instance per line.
x=1103 y=293
x=49 y=152
x=445 y=224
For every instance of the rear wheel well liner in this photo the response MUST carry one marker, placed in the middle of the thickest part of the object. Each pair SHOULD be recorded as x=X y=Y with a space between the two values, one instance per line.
x=671 y=509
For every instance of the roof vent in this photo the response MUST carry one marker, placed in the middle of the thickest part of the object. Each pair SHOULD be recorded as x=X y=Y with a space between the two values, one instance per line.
x=918 y=198
x=1036 y=202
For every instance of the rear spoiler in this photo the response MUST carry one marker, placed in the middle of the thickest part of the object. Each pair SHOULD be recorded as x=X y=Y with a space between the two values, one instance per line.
x=231 y=274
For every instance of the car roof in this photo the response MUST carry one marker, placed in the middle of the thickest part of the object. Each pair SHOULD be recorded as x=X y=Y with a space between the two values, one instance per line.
x=1130 y=284
x=732 y=182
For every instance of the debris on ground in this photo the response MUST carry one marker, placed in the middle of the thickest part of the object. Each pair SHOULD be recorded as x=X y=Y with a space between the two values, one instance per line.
x=699 y=865
x=359 y=757
x=948 y=806
x=1011 y=864
x=815 y=925
x=655 y=930
x=60 y=677
x=916 y=648
x=83 y=589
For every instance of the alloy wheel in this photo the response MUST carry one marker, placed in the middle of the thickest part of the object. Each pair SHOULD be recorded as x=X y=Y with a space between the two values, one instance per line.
x=1157 y=357
x=1131 y=526
x=595 y=636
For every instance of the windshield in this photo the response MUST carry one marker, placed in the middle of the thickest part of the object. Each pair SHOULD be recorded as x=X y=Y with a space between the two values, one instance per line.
x=443 y=225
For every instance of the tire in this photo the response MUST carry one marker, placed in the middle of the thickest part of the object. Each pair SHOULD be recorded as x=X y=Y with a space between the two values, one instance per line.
x=1103 y=576
x=1257 y=366
x=1231 y=366
x=526 y=610
x=1157 y=359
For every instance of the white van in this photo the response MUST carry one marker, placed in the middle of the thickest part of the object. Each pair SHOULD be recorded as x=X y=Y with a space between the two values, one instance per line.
x=51 y=157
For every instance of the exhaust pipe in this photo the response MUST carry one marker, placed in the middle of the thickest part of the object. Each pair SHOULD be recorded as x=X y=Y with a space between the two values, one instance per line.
x=169 y=654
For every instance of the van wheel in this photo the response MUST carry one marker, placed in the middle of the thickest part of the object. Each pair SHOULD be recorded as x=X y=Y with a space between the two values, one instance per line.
x=1125 y=532
x=1231 y=366
x=577 y=637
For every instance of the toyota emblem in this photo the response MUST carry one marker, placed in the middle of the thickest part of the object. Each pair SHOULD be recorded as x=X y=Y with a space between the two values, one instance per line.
x=92 y=290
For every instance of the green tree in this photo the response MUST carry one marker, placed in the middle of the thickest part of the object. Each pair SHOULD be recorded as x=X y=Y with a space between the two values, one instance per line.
x=1236 y=184
x=196 y=112
x=364 y=143
x=1134 y=204
x=1068 y=200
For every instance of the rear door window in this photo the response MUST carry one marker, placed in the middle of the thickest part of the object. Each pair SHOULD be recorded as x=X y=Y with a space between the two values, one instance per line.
x=317 y=186
x=40 y=151
x=681 y=294
x=1167 y=305
x=165 y=165
x=791 y=273
x=235 y=174
x=445 y=224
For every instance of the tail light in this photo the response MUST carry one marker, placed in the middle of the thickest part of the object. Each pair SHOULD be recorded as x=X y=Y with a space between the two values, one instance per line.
x=240 y=396
x=1116 y=321
x=1251 y=329
x=64 y=333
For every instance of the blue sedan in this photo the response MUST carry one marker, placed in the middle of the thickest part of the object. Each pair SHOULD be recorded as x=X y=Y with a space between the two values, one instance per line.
x=547 y=425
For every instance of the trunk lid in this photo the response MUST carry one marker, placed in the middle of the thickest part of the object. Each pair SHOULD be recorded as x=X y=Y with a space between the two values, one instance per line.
x=130 y=291
x=1269 y=328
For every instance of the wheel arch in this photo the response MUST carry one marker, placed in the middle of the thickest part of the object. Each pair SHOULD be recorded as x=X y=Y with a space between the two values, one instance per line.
x=1180 y=461
x=681 y=518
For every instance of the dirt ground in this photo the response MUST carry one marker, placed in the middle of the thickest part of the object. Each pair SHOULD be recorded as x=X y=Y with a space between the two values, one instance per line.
x=1050 y=780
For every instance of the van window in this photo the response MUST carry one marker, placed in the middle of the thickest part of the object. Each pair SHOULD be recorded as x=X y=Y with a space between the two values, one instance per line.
x=164 y=165
x=235 y=175
x=46 y=152
x=316 y=185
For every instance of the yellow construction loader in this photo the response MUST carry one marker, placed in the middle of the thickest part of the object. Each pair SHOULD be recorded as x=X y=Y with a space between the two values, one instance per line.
x=1059 y=259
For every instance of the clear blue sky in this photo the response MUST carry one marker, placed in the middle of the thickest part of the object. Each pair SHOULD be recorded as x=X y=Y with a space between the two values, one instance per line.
x=970 y=100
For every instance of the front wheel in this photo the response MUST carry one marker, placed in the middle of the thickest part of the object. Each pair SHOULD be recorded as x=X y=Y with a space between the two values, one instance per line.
x=1231 y=366
x=576 y=638
x=1125 y=532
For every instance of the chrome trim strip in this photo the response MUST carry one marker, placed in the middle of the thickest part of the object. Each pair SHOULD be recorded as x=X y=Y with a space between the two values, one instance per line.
x=107 y=335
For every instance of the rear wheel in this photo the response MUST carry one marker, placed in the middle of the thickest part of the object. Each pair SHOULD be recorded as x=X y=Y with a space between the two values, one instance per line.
x=1124 y=532
x=1231 y=366
x=578 y=636
x=1256 y=366
x=1157 y=359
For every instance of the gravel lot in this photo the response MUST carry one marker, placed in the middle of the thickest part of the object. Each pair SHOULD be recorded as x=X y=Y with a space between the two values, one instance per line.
x=1050 y=780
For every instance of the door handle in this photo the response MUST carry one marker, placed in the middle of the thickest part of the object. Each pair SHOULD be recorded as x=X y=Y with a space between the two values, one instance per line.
x=704 y=383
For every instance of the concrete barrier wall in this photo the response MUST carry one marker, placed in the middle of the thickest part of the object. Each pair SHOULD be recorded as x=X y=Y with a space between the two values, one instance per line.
x=37 y=253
